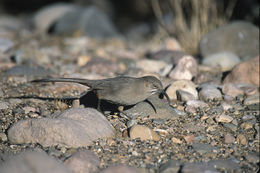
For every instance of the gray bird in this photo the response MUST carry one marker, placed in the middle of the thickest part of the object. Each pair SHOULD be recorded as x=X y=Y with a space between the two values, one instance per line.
x=121 y=90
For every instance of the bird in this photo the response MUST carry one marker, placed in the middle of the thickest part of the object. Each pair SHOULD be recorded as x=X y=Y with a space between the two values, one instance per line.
x=120 y=90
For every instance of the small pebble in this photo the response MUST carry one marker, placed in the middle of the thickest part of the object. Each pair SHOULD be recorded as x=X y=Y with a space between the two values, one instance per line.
x=224 y=118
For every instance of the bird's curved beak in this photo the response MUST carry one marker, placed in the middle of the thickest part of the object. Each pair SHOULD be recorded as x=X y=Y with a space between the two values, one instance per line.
x=166 y=95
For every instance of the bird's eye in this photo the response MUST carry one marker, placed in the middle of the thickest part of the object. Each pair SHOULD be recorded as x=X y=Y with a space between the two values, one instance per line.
x=154 y=86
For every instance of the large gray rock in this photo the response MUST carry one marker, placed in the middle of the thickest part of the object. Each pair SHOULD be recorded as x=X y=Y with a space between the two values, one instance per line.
x=224 y=60
x=84 y=161
x=90 y=21
x=32 y=162
x=48 y=15
x=153 y=108
x=212 y=166
x=241 y=38
x=76 y=127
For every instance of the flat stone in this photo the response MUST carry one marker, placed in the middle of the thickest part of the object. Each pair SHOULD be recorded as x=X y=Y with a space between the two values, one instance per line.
x=5 y=45
x=230 y=126
x=198 y=167
x=251 y=100
x=23 y=70
x=241 y=139
x=211 y=167
x=253 y=157
x=3 y=137
x=83 y=161
x=193 y=105
x=224 y=118
x=229 y=139
x=144 y=133
x=204 y=148
x=172 y=166
x=210 y=92
x=31 y=162
x=119 y=169
x=75 y=127
x=155 y=108
x=4 y=105
x=232 y=90
x=246 y=125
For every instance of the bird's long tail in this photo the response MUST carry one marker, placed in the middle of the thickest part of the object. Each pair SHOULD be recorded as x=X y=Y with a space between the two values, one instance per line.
x=73 y=80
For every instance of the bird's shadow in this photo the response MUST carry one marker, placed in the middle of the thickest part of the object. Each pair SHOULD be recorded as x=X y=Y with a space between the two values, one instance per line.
x=91 y=100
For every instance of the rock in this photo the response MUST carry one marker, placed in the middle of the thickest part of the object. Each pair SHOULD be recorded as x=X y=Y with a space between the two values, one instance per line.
x=83 y=60
x=241 y=139
x=48 y=15
x=28 y=109
x=155 y=108
x=184 y=85
x=9 y=25
x=198 y=168
x=168 y=56
x=102 y=66
x=143 y=132
x=246 y=125
x=74 y=127
x=229 y=139
x=119 y=169
x=186 y=68
x=230 y=126
x=5 y=44
x=1 y=93
x=226 y=106
x=176 y=140
x=4 y=105
x=172 y=166
x=222 y=118
x=189 y=139
x=208 y=74
x=226 y=164
x=193 y=105
x=3 y=137
x=184 y=96
x=172 y=44
x=90 y=20
x=153 y=66
x=232 y=90
x=31 y=162
x=249 y=89
x=209 y=92
x=15 y=101
x=204 y=148
x=246 y=72
x=23 y=70
x=252 y=100
x=253 y=157
x=241 y=38
x=229 y=165
x=225 y=60
x=83 y=161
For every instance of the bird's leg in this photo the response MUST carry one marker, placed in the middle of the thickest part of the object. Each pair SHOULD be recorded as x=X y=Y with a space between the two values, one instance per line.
x=99 y=105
